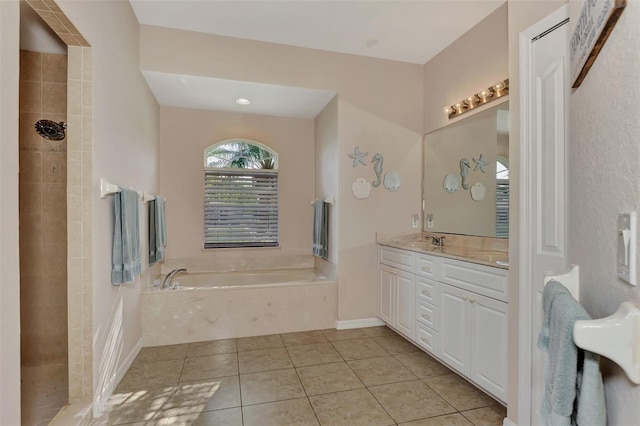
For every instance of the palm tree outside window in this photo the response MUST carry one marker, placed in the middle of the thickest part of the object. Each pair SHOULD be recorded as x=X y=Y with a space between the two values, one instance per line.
x=240 y=195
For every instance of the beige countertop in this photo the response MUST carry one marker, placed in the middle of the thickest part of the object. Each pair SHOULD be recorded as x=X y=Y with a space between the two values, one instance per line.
x=495 y=258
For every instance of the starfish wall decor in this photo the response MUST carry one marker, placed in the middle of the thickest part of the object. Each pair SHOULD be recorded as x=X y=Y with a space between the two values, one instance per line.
x=358 y=157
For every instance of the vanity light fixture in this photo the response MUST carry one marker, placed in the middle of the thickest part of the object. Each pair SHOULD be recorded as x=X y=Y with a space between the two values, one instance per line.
x=243 y=101
x=489 y=94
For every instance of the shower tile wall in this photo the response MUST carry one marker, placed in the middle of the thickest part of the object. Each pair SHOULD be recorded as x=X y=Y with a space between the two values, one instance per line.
x=43 y=211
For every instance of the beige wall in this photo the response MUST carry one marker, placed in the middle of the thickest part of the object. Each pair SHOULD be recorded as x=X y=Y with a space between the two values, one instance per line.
x=522 y=15
x=9 y=247
x=475 y=61
x=43 y=213
x=379 y=109
x=604 y=164
x=125 y=151
x=326 y=177
x=184 y=135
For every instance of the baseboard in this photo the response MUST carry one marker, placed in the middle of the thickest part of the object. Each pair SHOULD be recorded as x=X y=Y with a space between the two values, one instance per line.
x=507 y=422
x=359 y=323
x=101 y=400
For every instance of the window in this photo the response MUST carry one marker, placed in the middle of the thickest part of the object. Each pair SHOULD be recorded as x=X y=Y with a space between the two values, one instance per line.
x=240 y=195
x=502 y=198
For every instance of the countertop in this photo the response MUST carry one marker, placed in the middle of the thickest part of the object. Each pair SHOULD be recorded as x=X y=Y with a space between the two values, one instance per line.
x=495 y=258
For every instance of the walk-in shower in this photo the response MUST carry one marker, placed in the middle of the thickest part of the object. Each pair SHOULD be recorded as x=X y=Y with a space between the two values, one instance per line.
x=51 y=130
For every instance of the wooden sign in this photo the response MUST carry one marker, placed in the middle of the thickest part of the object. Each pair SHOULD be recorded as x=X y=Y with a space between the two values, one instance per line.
x=595 y=23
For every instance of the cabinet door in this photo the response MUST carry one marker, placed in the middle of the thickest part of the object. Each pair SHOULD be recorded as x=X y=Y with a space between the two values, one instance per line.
x=385 y=293
x=454 y=328
x=489 y=345
x=405 y=320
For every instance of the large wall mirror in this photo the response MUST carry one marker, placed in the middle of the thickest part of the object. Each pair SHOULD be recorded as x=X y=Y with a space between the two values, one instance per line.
x=466 y=175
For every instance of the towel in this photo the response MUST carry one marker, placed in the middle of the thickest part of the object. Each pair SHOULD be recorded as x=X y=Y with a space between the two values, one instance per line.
x=126 y=237
x=574 y=393
x=320 y=241
x=157 y=230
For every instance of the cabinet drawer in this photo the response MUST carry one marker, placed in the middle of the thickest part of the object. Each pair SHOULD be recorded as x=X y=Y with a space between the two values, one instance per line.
x=427 y=290
x=401 y=259
x=427 y=314
x=426 y=266
x=485 y=280
x=426 y=338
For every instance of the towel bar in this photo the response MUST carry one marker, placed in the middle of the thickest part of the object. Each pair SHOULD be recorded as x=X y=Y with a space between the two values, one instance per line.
x=107 y=188
x=616 y=337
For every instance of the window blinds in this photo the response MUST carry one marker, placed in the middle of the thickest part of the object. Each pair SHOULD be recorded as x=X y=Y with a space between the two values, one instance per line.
x=502 y=208
x=240 y=208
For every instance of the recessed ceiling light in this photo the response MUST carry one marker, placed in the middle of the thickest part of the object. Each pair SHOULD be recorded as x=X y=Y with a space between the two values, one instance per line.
x=243 y=101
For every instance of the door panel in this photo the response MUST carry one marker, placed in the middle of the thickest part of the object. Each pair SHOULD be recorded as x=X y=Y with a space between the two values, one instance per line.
x=385 y=293
x=405 y=303
x=454 y=328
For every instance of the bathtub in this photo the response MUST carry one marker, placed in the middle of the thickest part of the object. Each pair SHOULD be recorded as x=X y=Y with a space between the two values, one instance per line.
x=220 y=305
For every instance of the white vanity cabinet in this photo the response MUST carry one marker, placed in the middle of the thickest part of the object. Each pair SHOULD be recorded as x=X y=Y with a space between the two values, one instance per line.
x=455 y=310
x=473 y=327
x=396 y=290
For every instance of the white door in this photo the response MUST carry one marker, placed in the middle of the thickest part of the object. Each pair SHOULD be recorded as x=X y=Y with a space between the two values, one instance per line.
x=454 y=328
x=544 y=188
x=385 y=293
x=405 y=320
x=488 y=334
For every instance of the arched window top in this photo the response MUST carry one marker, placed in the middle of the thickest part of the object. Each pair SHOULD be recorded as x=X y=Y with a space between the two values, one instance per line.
x=240 y=154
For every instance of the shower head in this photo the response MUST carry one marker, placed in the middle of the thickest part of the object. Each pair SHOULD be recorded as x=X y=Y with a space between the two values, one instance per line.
x=51 y=130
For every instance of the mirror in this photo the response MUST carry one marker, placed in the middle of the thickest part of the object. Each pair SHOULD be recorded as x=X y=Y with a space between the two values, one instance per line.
x=466 y=175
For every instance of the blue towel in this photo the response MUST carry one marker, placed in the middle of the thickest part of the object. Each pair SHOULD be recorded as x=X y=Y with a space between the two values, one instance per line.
x=126 y=237
x=574 y=393
x=157 y=230
x=320 y=240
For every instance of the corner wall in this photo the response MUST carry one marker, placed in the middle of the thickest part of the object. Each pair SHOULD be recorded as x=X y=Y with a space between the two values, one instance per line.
x=604 y=157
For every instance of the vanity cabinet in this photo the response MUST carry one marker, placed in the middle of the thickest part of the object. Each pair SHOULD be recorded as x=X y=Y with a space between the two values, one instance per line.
x=453 y=309
x=396 y=290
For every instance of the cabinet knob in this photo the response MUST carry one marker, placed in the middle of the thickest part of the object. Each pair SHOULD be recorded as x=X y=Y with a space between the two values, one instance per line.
x=425 y=316
x=426 y=269
x=465 y=298
x=426 y=292
x=422 y=339
x=472 y=300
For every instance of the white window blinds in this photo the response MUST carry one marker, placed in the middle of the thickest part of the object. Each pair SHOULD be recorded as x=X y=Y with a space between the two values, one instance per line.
x=502 y=208
x=240 y=208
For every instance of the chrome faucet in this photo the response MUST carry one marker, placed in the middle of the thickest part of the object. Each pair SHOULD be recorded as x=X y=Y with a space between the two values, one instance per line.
x=436 y=240
x=167 y=280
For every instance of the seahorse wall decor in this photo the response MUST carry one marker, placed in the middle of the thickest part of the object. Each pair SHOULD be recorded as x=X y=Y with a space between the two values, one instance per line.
x=377 y=167
x=464 y=171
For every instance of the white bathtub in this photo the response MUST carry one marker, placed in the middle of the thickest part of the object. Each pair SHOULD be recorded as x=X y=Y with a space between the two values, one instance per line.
x=209 y=306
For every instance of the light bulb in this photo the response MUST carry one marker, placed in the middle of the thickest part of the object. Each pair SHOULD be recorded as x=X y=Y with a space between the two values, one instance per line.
x=447 y=110
x=499 y=86
x=484 y=94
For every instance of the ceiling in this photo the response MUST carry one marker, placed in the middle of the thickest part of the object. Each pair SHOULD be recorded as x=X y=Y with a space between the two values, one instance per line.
x=407 y=31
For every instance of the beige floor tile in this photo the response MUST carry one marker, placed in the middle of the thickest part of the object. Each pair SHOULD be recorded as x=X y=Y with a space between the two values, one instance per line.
x=204 y=395
x=492 y=415
x=358 y=349
x=412 y=400
x=303 y=338
x=317 y=353
x=422 y=365
x=378 y=331
x=140 y=405
x=206 y=367
x=292 y=412
x=380 y=371
x=264 y=360
x=228 y=417
x=350 y=408
x=270 y=386
x=458 y=392
x=334 y=335
x=326 y=378
x=213 y=347
x=260 y=342
x=447 y=420
x=151 y=374
x=396 y=345
x=163 y=353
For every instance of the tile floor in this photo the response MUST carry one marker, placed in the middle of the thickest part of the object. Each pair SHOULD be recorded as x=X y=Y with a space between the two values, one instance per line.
x=369 y=376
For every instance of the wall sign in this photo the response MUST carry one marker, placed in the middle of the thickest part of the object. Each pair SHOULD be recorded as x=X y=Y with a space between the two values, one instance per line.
x=595 y=23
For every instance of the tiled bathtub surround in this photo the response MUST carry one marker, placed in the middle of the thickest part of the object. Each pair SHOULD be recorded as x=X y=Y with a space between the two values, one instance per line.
x=367 y=376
